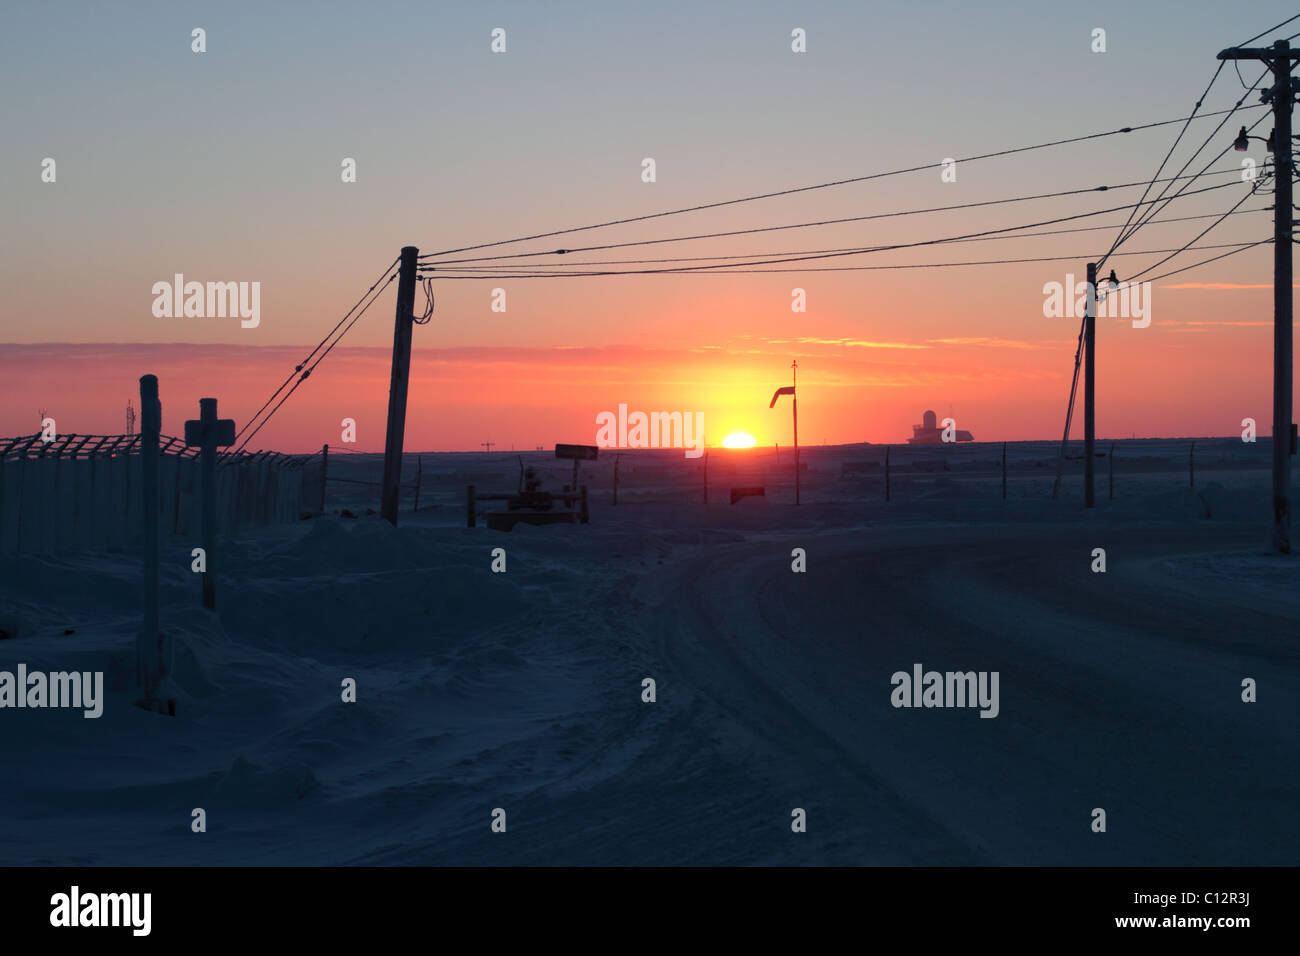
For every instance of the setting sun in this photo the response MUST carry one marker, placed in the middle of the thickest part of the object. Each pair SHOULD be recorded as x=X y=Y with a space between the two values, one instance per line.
x=739 y=440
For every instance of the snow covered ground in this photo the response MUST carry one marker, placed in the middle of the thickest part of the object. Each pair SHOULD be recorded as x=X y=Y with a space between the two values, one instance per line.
x=523 y=690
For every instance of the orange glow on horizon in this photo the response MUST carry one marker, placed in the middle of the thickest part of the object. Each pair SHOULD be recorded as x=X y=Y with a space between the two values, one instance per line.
x=739 y=440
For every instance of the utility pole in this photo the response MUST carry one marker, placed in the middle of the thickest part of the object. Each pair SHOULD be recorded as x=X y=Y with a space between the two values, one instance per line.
x=1278 y=58
x=397 y=384
x=1089 y=384
x=487 y=444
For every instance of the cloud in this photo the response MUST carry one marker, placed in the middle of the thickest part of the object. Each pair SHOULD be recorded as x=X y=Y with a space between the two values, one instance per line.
x=851 y=343
x=997 y=343
x=1223 y=285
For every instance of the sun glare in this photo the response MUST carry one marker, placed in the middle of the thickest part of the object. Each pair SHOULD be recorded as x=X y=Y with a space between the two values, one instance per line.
x=739 y=440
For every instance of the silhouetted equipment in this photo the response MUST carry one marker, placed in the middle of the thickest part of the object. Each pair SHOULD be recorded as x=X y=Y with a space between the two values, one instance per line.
x=208 y=433
x=398 y=381
x=749 y=492
x=530 y=504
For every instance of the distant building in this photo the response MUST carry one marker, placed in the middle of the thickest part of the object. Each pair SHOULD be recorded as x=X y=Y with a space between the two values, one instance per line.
x=929 y=432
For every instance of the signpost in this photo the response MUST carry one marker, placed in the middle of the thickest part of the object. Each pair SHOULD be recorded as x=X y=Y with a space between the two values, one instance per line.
x=790 y=390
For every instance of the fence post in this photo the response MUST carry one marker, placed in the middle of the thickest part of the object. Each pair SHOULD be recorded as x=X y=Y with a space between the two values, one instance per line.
x=1110 y=464
x=1004 y=471
x=149 y=641
x=324 y=471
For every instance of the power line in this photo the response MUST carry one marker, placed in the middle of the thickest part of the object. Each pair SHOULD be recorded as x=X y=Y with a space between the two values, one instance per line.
x=439 y=265
x=1198 y=236
x=534 y=267
x=1128 y=233
x=1159 y=169
x=299 y=366
x=1195 y=265
x=1271 y=29
x=802 y=189
x=303 y=377
x=919 y=265
x=862 y=251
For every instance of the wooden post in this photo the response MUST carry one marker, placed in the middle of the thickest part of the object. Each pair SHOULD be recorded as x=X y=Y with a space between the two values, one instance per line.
x=1191 y=466
x=208 y=432
x=398 y=381
x=1110 y=466
x=324 y=471
x=1004 y=471
x=616 y=458
x=886 y=472
x=148 y=648
x=470 y=516
x=419 y=476
x=706 y=476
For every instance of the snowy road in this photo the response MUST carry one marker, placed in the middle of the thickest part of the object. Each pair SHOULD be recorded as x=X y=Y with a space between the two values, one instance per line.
x=1118 y=690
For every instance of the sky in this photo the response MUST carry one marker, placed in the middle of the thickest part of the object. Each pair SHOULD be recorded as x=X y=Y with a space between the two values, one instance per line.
x=225 y=165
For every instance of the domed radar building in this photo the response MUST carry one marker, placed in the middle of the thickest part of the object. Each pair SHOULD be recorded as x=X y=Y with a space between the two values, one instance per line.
x=929 y=432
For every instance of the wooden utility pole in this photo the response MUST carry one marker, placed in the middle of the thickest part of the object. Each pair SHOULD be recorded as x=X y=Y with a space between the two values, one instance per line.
x=398 y=382
x=1278 y=58
x=1090 y=386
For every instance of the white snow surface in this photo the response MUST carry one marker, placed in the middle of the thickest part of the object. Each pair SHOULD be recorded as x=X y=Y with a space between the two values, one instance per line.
x=522 y=690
